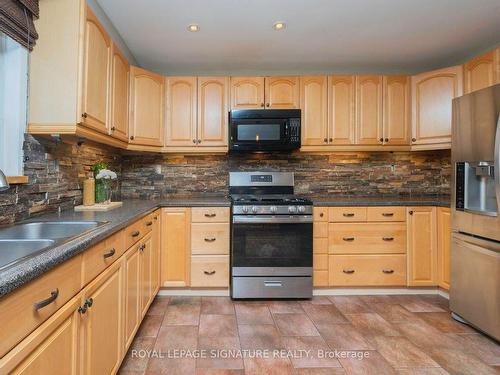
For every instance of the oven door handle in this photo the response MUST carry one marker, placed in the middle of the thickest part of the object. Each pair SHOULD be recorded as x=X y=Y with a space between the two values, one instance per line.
x=273 y=219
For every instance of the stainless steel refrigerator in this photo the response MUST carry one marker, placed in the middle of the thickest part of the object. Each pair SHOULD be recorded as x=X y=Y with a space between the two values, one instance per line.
x=475 y=243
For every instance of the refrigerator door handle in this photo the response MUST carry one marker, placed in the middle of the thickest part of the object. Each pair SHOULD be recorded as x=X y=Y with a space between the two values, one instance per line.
x=497 y=163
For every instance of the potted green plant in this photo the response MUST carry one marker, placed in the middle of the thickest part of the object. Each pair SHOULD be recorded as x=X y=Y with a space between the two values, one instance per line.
x=103 y=177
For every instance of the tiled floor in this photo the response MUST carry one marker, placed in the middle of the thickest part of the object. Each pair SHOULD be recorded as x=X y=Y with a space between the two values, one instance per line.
x=410 y=335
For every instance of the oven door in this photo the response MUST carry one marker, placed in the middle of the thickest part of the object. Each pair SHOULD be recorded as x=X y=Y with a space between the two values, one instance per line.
x=259 y=135
x=272 y=245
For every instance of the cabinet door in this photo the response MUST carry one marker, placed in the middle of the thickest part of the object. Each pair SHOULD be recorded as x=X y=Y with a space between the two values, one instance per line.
x=102 y=344
x=341 y=110
x=54 y=342
x=282 y=92
x=396 y=111
x=213 y=106
x=132 y=293
x=97 y=51
x=313 y=102
x=155 y=254
x=146 y=259
x=175 y=247
x=368 y=110
x=422 y=246
x=181 y=112
x=120 y=75
x=432 y=93
x=146 y=107
x=247 y=92
x=481 y=72
x=443 y=246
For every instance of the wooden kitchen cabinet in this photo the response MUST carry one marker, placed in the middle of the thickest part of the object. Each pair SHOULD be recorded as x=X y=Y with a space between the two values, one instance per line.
x=369 y=110
x=146 y=262
x=432 y=94
x=156 y=247
x=320 y=247
x=482 y=71
x=341 y=110
x=102 y=322
x=396 y=110
x=181 y=112
x=213 y=107
x=314 y=103
x=247 y=92
x=443 y=246
x=282 y=92
x=132 y=293
x=146 y=107
x=120 y=82
x=176 y=247
x=422 y=246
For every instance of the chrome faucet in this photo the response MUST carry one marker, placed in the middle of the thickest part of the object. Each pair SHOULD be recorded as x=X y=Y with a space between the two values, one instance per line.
x=4 y=184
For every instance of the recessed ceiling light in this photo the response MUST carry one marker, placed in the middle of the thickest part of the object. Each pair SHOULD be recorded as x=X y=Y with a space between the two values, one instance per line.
x=193 y=28
x=279 y=26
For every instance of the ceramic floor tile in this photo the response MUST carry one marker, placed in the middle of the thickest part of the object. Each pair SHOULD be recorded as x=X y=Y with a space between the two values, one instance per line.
x=171 y=366
x=253 y=314
x=393 y=313
x=424 y=335
x=422 y=371
x=150 y=326
x=324 y=314
x=177 y=337
x=185 y=300
x=216 y=371
x=317 y=300
x=127 y=372
x=221 y=353
x=344 y=337
x=379 y=299
x=182 y=314
x=214 y=325
x=159 y=306
x=457 y=362
x=295 y=325
x=260 y=336
x=401 y=353
x=373 y=364
x=285 y=307
x=417 y=304
x=320 y=371
x=133 y=361
x=268 y=366
x=445 y=323
x=479 y=345
x=309 y=352
x=350 y=304
x=217 y=305
x=372 y=324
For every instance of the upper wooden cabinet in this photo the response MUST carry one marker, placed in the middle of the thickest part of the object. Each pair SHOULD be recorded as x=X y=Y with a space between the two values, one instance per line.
x=396 y=110
x=146 y=107
x=369 y=110
x=120 y=79
x=432 y=94
x=213 y=107
x=314 y=102
x=181 y=111
x=264 y=92
x=482 y=71
x=247 y=92
x=341 y=105
x=282 y=92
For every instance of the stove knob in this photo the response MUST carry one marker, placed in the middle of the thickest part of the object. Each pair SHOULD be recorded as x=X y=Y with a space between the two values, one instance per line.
x=292 y=209
x=244 y=209
x=254 y=209
x=302 y=209
x=273 y=209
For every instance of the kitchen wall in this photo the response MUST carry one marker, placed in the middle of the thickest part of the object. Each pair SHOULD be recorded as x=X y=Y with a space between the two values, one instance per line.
x=55 y=172
x=361 y=173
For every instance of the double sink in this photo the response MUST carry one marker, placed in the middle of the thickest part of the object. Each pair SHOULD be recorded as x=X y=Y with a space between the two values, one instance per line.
x=25 y=240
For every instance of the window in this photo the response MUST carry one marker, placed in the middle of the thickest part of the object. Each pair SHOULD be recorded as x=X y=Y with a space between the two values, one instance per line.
x=13 y=104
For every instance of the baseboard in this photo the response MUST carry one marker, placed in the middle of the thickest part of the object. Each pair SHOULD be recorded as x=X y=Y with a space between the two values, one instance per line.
x=194 y=292
x=443 y=293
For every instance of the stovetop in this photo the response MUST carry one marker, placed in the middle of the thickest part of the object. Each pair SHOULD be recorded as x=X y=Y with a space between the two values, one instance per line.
x=274 y=199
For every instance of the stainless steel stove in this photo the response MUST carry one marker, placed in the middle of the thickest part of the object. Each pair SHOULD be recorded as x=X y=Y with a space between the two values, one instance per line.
x=271 y=237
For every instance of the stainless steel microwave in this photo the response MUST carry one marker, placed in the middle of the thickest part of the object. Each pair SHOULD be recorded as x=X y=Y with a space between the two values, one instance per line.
x=264 y=130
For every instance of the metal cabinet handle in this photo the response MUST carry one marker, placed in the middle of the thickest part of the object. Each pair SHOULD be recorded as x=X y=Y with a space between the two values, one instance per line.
x=113 y=128
x=199 y=141
x=132 y=138
x=262 y=104
x=53 y=296
x=82 y=309
x=210 y=215
x=414 y=139
x=194 y=141
x=381 y=139
x=388 y=271
x=149 y=223
x=321 y=214
x=348 y=214
x=388 y=238
x=135 y=233
x=211 y=239
x=410 y=212
x=109 y=254
x=142 y=247
x=348 y=271
x=267 y=104
x=89 y=302
x=209 y=273
x=84 y=114
x=387 y=214
x=325 y=140
x=348 y=239
x=386 y=140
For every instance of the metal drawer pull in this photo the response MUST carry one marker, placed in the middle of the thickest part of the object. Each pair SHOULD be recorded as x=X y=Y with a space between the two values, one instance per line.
x=348 y=271
x=388 y=238
x=212 y=239
x=149 y=223
x=388 y=271
x=209 y=273
x=89 y=302
x=135 y=233
x=387 y=214
x=348 y=239
x=273 y=284
x=109 y=254
x=321 y=214
x=210 y=215
x=142 y=247
x=348 y=214
x=53 y=296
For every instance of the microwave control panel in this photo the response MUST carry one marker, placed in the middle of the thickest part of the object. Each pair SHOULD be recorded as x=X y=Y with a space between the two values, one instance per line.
x=294 y=125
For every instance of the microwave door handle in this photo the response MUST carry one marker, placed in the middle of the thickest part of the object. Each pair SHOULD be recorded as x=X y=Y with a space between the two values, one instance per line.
x=496 y=171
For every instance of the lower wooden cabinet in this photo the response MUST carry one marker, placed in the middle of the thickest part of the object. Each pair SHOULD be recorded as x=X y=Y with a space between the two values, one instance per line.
x=443 y=246
x=146 y=262
x=132 y=293
x=422 y=246
x=210 y=271
x=156 y=251
x=320 y=247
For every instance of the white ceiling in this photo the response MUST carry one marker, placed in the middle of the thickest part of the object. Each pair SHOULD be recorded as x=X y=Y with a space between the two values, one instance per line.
x=322 y=36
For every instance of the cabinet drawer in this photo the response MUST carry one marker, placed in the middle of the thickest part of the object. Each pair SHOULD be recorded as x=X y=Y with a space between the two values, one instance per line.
x=134 y=232
x=18 y=314
x=386 y=214
x=100 y=256
x=367 y=270
x=347 y=214
x=147 y=223
x=320 y=261
x=320 y=214
x=210 y=271
x=367 y=238
x=210 y=215
x=320 y=229
x=211 y=238
x=320 y=245
x=320 y=278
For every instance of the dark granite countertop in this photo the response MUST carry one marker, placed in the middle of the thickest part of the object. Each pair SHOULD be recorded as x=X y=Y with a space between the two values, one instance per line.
x=399 y=200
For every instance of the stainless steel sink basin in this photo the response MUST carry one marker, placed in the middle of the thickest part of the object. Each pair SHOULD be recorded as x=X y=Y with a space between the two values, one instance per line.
x=14 y=250
x=53 y=230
